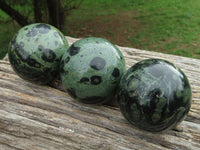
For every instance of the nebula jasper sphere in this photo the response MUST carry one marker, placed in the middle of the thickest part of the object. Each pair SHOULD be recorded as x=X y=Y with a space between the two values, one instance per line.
x=91 y=69
x=35 y=52
x=154 y=95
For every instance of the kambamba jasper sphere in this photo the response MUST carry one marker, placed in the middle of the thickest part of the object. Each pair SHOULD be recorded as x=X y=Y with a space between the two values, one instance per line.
x=91 y=69
x=35 y=52
x=154 y=95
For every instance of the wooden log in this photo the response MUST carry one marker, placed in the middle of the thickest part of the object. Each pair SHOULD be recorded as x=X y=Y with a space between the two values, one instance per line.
x=34 y=117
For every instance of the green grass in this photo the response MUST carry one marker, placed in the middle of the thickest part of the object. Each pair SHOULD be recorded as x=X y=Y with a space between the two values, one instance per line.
x=164 y=25
x=168 y=26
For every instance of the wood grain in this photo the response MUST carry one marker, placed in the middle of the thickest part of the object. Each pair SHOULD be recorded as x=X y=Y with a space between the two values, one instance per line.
x=34 y=117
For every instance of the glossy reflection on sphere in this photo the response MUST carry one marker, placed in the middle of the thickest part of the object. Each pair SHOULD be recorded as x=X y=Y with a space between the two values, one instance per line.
x=154 y=95
x=91 y=69
x=35 y=52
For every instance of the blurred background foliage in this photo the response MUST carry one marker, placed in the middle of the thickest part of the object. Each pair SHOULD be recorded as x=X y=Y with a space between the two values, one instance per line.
x=157 y=25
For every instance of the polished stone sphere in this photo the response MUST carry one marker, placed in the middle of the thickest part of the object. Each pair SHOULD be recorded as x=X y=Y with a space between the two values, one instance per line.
x=91 y=69
x=154 y=95
x=35 y=52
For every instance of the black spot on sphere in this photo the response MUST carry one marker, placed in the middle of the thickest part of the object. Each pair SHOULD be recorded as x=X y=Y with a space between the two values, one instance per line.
x=62 y=71
x=93 y=100
x=48 y=70
x=28 y=72
x=33 y=63
x=57 y=60
x=67 y=60
x=56 y=34
x=43 y=28
x=28 y=34
x=32 y=32
x=22 y=44
x=60 y=35
x=84 y=80
x=62 y=62
x=114 y=82
x=36 y=40
x=26 y=29
x=12 y=59
x=40 y=47
x=56 y=43
x=48 y=55
x=73 y=50
x=95 y=80
x=97 y=63
x=116 y=73
x=72 y=92
x=21 y=53
x=62 y=67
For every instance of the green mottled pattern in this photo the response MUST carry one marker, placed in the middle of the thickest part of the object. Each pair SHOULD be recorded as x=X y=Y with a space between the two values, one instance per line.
x=154 y=95
x=91 y=70
x=35 y=52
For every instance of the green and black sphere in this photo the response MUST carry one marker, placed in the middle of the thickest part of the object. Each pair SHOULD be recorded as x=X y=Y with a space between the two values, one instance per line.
x=35 y=52
x=154 y=95
x=91 y=69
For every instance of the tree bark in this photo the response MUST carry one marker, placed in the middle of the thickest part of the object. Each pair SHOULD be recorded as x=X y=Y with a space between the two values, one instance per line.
x=42 y=117
x=20 y=19
x=56 y=13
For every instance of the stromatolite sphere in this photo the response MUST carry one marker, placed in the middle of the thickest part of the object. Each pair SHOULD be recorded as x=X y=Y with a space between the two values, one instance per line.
x=154 y=95
x=91 y=69
x=35 y=52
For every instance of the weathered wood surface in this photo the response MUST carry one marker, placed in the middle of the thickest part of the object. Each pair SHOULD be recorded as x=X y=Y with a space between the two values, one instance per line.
x=34 y=117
